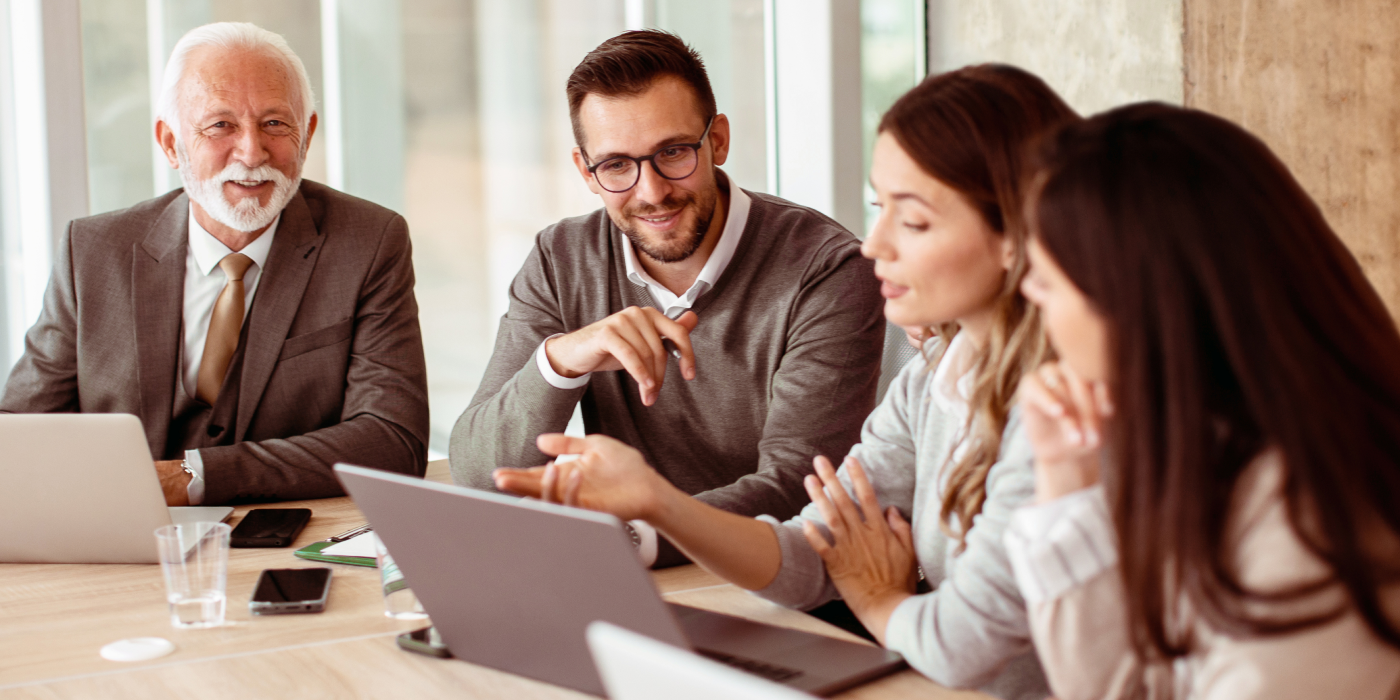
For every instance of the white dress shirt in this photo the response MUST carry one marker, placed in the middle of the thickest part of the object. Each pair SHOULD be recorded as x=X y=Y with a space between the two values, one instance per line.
x=673 y=306
x=204 y=281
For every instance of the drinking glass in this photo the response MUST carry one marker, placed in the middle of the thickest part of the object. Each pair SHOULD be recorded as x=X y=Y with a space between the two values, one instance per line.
x=194 y=559
x=399 y=601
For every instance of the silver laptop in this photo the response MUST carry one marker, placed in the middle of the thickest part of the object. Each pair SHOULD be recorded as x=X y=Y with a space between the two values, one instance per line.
x=513 y=584
x=82 y=489
x=635 y=667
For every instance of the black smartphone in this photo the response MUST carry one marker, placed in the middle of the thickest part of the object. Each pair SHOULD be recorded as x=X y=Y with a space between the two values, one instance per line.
x=269 y=527
x=281 y=591
x=424 y=641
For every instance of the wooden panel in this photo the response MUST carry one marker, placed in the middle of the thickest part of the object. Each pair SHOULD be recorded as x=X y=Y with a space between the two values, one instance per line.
x=1318 y=82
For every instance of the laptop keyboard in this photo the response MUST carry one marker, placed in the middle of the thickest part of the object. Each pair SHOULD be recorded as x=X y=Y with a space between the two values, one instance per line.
x=777 y=674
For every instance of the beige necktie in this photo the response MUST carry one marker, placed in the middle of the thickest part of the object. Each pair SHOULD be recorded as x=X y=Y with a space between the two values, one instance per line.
x=224 y=328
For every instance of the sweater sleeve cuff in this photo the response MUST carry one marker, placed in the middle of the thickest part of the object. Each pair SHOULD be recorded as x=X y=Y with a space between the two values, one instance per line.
x=801 y=582
x=1057 y=546
x=555 y=379
x=902 y=629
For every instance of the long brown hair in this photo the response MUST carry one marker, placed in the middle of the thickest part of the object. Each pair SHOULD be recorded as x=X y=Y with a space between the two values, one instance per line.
x=971 y=130
x=1238 y=322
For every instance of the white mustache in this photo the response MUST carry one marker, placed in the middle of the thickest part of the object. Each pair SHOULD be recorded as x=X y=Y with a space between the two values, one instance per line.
x=238 y=172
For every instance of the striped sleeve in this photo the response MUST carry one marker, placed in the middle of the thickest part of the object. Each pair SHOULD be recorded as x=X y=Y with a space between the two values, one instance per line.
x=1057 y=546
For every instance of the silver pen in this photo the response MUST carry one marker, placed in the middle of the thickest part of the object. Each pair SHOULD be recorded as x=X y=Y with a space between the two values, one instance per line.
x=353 y=532
x=671 y=348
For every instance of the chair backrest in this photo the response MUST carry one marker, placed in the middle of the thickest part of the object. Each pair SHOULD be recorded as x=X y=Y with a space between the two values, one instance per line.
x=898 y=353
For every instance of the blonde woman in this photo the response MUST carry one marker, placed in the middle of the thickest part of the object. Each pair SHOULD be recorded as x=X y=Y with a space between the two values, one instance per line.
x=942 y=463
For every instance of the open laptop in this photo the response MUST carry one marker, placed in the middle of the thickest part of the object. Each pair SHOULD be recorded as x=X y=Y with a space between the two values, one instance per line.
x=80 y=488
x=513 y=584
x=635 y=667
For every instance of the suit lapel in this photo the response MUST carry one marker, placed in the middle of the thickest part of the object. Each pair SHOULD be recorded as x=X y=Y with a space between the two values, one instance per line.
x=290 y=262
x=158 y=297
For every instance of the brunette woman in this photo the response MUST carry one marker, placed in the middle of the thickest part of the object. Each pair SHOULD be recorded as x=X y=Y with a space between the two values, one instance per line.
x=1218 y=449
x=942 y=463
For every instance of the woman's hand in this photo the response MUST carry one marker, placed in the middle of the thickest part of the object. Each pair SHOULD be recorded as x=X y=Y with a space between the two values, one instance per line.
x=917 y=335
x=871 y=556
x=1065 y=418
x=608 y=476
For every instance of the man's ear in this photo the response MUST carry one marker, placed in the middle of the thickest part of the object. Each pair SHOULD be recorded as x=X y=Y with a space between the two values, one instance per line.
x=582 y=166
x=165 y=138
x=719 y=138
x=310 y=131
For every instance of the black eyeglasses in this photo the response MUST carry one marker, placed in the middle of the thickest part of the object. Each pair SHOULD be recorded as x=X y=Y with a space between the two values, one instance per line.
x=677 y=161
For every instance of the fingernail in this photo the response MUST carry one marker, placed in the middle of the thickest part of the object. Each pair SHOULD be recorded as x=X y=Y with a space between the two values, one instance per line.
x=1076 y=437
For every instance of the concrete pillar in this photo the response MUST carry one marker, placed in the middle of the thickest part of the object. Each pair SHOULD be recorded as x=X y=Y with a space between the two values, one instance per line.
x=1096 y=53
x=1318 y=83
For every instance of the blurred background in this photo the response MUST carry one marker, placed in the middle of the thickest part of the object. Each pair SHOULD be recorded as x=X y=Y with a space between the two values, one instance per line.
x=452 y=112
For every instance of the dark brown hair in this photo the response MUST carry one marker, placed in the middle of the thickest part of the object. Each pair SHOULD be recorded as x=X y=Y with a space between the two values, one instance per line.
x=1239 y=322
x=971 y=129
x=629 y=63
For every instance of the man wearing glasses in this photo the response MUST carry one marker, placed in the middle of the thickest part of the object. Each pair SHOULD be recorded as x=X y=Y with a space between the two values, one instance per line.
x=772 y=316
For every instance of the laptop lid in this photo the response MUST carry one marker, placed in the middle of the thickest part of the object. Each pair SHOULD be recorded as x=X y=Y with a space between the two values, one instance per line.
x=510 y=583
x=79 y=488
x=636 y=667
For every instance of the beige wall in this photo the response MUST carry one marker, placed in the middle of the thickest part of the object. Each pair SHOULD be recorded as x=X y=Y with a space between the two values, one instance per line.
x=1320 y=83
x=1096 y=53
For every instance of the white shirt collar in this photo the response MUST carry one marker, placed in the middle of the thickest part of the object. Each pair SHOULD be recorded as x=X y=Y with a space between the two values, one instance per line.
x=734 y=222
x=208 y=250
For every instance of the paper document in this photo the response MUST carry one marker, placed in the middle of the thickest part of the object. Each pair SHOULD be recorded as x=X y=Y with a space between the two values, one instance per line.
x=361 y=545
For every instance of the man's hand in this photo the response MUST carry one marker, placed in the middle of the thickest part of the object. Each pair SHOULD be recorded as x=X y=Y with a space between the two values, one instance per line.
x=1065 y=418
x=608 y=476
x=871 y=557
x=174 y=481
x=629 y=339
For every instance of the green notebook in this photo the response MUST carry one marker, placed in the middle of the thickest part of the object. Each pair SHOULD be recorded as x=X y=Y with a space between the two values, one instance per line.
x=313 y=552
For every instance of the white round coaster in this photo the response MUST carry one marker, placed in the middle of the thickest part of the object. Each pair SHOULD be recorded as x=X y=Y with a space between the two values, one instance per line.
x=137 y=649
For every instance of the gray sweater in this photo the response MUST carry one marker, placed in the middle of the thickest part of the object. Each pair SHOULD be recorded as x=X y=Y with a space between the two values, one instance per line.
x=972 y=630
x=787 y=351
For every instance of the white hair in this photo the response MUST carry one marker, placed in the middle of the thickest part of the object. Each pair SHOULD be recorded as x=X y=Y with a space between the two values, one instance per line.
x=230 y=35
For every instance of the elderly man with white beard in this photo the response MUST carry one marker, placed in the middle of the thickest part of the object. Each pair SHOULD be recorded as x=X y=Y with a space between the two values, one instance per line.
x=261 y=326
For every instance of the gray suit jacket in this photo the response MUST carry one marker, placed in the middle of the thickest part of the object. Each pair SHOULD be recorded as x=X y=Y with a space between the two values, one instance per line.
x=333 y=365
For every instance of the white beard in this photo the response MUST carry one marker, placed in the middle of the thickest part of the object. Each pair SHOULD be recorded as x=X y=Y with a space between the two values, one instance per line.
x=247 y=215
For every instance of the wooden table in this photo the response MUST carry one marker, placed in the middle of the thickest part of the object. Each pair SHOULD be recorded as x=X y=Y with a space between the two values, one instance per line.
x=55 y=617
